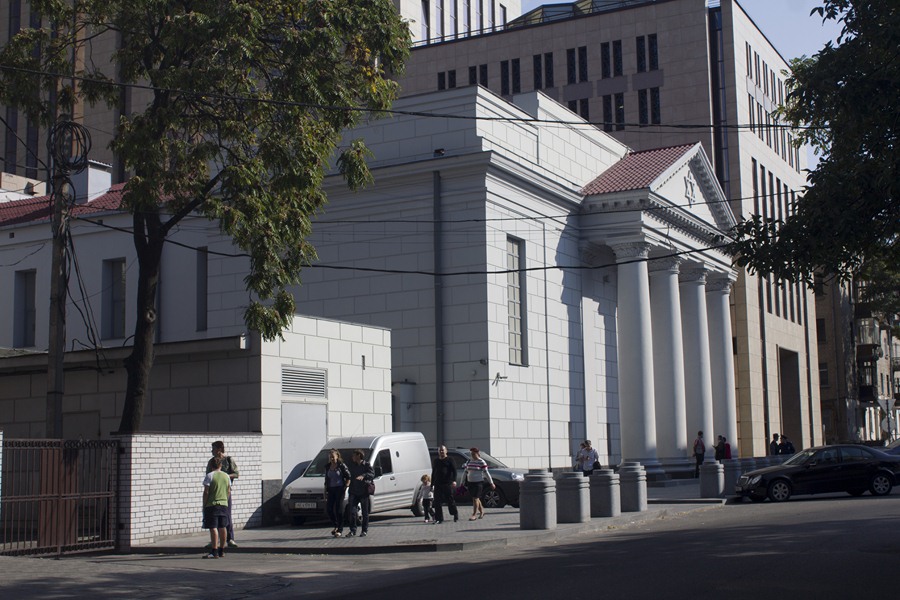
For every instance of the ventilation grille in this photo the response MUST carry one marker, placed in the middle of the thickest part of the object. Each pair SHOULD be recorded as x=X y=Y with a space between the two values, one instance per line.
x=304 y=382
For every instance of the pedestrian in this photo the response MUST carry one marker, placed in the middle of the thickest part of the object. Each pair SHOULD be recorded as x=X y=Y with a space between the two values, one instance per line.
x=443 y=483
x=774 y=446
x=474 y=478
x=337 y=479
x=590 y=459
x=727 y=448
x=720 y=448
x=361 y=475
x=579 y=459
x=787 y=447
x=230 y=468
x=699 y=452
x=425 y=495
x=216 y=493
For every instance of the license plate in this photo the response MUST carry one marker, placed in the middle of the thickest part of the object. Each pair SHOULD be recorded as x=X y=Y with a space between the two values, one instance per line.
x=304 y=504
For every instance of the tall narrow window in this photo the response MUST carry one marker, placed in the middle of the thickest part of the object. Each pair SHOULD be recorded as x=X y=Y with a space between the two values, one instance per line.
x=504 y=77
x=643 y=108
x=426 y=19
x=202 y=287
x=641 y=48
x=653 y=51
x=442 y=80
x=538 y=72
x=454 y=26
x=752 y=113
x=617 y=58
x=605 y=61
x=483 y=75
x=607 y=113
x=570 y=65
x=516 y=76
x=439 y=18
x=113 y=305
x=451 y=78
x=479 y=15
x=620 y=112
x=583 y=109
x=548 y=69
x=492 y=16
x=466 y=16
x=582 y=63
x=473 y=75
x=24 y=311
x=502 y=15
x=655 y=109
x=515 y=295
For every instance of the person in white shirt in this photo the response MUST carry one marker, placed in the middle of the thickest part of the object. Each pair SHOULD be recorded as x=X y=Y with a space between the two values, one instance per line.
x=589 y=458
x=475 y=476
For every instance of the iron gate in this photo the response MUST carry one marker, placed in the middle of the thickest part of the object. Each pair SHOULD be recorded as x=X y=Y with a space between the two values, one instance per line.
x=58 y=496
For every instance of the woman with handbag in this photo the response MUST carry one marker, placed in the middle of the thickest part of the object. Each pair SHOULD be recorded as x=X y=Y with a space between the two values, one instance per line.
x=475 y=476
x=590 y=459
x=337 y=478
x=362 y=485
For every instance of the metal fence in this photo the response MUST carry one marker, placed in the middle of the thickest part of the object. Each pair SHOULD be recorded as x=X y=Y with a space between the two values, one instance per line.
x=58 y=496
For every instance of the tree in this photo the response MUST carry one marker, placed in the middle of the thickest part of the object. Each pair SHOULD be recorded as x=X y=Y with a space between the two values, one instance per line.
x=247 y=102
x=846 y=98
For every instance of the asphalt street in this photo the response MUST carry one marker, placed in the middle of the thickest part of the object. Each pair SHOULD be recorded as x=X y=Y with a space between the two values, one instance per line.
x=816 y=547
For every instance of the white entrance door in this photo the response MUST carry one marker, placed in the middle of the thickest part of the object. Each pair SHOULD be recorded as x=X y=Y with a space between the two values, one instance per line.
x=304 y=430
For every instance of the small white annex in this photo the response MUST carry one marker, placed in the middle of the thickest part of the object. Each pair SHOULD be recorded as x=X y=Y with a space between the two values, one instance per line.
x=542 y=283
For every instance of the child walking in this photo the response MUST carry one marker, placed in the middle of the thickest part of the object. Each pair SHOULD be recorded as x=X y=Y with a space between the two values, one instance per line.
x=426 y=497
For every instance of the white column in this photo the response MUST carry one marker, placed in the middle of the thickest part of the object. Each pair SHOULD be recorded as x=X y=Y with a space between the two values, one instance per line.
x=721 y=353
x=668 y=366
x=637 y=416
x=697 y=378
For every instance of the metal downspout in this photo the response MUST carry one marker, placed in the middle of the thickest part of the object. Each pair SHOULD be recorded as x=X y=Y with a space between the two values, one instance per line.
x=438 y=311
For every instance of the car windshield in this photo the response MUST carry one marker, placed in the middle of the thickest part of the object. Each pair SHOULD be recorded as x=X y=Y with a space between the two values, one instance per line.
x=800 y=457
x=319 y=464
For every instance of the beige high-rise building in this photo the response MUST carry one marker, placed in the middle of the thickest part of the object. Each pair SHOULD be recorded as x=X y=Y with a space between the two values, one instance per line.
x=667 y=72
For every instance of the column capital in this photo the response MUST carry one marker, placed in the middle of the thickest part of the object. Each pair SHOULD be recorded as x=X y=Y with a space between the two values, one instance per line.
x=669 y=263
x=719 y=283
x=693 y=274
x=631 y=251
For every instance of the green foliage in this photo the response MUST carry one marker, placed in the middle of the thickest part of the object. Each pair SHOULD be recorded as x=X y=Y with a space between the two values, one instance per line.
x=847 y=95
x=243 y=114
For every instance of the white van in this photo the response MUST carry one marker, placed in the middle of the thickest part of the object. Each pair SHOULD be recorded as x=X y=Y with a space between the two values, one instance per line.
x=399 y=461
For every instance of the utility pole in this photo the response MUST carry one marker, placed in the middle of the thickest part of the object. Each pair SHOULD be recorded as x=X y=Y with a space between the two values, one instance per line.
x=68 y=144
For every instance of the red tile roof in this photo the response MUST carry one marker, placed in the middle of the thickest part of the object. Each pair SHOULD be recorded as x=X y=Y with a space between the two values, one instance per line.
x=34 y=210
x=637 y=170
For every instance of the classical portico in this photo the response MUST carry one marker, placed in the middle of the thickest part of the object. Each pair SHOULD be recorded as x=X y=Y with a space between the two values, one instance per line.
x=663 y=215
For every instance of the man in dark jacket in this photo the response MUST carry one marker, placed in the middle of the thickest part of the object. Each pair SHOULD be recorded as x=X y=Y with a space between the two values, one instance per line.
x=443 y=479
x=361 y=475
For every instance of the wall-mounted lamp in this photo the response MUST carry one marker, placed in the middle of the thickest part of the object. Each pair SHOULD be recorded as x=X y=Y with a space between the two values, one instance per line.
x=438 y=152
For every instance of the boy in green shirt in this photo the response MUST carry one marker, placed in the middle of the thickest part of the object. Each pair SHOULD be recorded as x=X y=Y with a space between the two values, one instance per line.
x=216 y=492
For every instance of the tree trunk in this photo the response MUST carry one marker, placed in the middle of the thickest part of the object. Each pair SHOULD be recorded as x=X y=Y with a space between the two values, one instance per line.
x=149 y=239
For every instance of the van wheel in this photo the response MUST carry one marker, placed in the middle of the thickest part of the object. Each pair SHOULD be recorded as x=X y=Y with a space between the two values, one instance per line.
x=493 y=498
x=297 y=521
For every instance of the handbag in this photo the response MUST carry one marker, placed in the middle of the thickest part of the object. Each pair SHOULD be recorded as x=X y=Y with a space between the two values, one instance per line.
x=370 y=488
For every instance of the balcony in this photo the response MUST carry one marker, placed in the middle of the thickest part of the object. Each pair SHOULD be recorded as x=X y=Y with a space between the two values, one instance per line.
x=868 y=333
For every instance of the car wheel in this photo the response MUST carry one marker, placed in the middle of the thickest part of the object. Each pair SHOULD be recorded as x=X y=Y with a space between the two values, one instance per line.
x=881 y=485
x=856 y=492
x=493 y=498
x=779 y=490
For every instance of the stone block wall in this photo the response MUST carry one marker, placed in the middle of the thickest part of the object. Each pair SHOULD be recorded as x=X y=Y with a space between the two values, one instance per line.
x=161 y=483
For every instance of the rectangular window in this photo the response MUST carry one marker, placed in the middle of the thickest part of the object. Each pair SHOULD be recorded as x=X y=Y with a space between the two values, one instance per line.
x=620 y=112
x=823 y=374
x=548 y=69
x=442 y=81
x=655 y=108
x=24 y=309
x=653 y=51
x=752 y=113
x=641 y=48
x=643 y=108
x=493 y=15
x=483 y=75
x=426 y=20
x=202 y=287
x=451 y=79
x=504 y=77
x=515 y=296
x=573 y=106
x=467 y=15
x=760 y=130
x=582 y=63
x=607 y=113
x=516 y=76
x=571 y=69
x=617 y=58
x=473 y=75
x=113 y=304
x=605 y=61
x=755 y=187
x=538 y=68
x=502 y=15
x=749 y=59
x=583 y=109
x=454 y=26
x=439 y=18
x=821 y=332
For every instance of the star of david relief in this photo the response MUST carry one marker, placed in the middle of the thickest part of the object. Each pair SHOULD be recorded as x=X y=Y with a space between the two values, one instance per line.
x=690 y=188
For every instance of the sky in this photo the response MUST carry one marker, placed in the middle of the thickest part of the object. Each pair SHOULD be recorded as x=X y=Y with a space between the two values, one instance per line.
x=786 y=23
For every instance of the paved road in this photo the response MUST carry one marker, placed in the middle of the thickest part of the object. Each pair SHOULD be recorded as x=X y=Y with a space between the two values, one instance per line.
x=821 y=547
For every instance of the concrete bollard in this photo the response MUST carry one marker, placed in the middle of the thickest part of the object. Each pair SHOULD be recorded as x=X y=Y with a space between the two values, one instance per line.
x=573 y=498
x=605 y=499
x=733 y=470
x=633 y=487
x=712 y=480
x=537 y=501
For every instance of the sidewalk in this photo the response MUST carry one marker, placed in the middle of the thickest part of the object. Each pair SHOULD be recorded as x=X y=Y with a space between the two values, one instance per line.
x=399 y=531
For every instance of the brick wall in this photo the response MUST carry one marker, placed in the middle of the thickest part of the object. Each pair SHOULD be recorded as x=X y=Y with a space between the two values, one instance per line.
x=161 y=483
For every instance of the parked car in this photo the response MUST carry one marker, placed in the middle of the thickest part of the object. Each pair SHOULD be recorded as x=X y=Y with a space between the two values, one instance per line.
x=847 y=468
x=506 y=479
x=893 y=448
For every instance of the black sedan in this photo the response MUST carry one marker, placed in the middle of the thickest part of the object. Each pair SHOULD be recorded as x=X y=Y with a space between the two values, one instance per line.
x=842 y=468
x=893 y=448
x=505 y=478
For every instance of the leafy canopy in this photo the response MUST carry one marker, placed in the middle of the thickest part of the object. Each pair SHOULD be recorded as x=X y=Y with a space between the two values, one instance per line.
x=847 y=95
x=237 y=111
